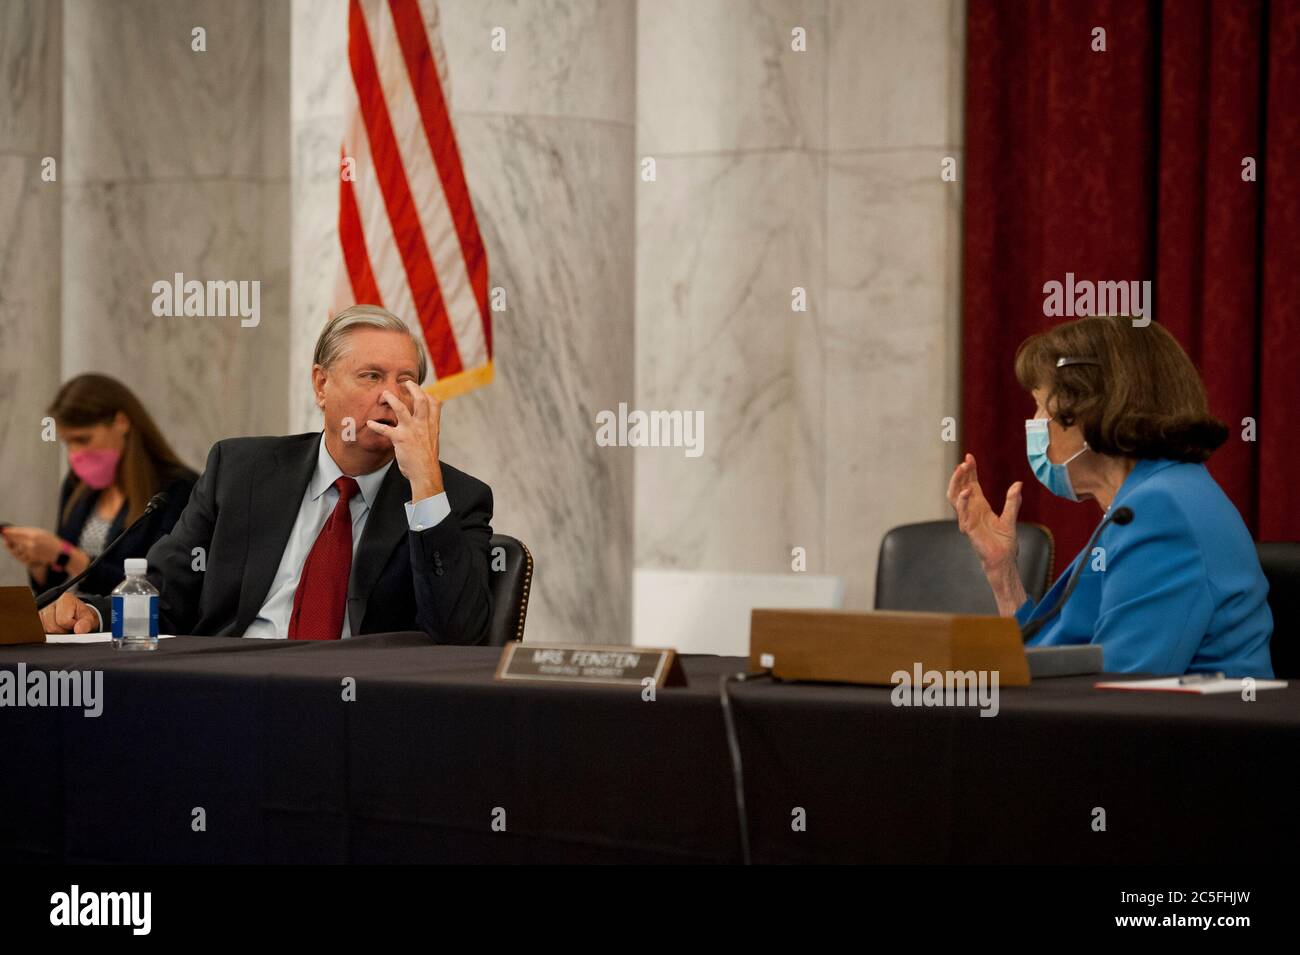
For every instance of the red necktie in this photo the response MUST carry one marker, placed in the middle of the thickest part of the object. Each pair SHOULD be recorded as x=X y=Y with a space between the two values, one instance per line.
x=322 y=593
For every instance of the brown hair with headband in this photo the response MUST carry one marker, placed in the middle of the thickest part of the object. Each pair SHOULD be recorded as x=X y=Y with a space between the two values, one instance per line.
x=1132 y=389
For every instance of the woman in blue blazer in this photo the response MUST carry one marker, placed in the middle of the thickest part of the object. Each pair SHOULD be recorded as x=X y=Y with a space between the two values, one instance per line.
x=1122 y=419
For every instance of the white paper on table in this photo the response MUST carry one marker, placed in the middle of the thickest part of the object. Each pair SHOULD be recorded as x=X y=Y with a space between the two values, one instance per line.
x=104 y=637
x=1171 y=685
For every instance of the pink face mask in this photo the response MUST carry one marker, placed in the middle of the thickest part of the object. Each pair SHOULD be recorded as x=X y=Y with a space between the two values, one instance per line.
x=96 y=466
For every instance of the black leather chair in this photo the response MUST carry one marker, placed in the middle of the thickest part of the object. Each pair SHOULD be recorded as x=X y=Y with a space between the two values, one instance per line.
x=510 y=574
x=930 y=566
x=1281 y=563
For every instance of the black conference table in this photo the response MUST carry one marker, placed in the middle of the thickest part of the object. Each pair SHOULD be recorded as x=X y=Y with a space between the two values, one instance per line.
x=255 y=739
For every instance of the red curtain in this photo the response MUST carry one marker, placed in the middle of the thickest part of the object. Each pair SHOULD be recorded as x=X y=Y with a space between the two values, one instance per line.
x=1127 y=165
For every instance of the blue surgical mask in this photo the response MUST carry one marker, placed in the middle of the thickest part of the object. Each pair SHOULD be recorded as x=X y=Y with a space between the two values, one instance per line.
x=1054 y=477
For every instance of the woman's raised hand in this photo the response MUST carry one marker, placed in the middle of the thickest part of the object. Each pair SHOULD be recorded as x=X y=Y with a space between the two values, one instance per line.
x=993 y=536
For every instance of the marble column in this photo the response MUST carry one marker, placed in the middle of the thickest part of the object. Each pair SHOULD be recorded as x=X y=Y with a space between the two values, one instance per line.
x=176 y=161
x=546 y=134
x=734 y=117
x=818 y=169
x=894 y=85
x=31 y=129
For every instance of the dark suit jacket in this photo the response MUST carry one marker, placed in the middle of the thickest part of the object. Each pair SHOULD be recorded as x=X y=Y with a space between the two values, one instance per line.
x=242 y=512
x=108 y=574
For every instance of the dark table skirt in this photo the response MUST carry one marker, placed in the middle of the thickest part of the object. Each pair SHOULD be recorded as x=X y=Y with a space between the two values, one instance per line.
x=257 y=735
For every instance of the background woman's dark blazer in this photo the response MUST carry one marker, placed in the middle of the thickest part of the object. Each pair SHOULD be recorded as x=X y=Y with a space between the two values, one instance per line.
x=109 y=574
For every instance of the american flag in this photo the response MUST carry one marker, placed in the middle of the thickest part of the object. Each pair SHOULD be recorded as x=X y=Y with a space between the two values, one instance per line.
x=408 y=237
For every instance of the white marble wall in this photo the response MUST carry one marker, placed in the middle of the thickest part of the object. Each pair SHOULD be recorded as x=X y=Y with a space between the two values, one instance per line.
x=546 y=135
x=735 y=121
x=177 y=161
x=30 y=129
x=775 y=169
x=895 y=91
x=319 y=32
x=778 y=169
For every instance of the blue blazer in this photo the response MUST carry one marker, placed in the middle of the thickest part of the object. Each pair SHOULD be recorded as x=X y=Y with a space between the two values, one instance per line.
x=1177 y=590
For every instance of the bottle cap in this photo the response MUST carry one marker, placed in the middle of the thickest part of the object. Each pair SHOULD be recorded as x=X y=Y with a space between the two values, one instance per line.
x=136 y=566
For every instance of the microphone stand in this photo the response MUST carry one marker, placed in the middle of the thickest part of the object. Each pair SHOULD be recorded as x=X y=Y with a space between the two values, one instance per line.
x=54 y=593
x=1120 y=516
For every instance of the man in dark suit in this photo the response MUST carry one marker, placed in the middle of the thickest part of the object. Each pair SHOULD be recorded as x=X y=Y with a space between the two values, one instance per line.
x=383 y=536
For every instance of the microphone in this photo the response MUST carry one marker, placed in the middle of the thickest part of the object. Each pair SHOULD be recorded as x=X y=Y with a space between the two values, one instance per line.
x=54 y=593
x=1120 y=516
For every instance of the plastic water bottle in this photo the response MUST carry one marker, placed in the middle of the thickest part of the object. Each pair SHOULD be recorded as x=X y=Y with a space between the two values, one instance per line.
x=135 y=609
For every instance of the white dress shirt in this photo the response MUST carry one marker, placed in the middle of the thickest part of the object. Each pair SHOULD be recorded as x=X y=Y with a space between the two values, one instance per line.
x=318 y=501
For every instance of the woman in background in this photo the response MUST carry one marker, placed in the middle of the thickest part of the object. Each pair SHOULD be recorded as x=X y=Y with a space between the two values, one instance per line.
x=118 y=460
x=1121 y=418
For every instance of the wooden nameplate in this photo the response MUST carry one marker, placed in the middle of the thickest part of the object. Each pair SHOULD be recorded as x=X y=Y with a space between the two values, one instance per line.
x=19 y=621
x=835 y=646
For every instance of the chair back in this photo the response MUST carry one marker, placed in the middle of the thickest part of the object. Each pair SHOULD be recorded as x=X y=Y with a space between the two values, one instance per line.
x=1281 y=563
x=510 y=568
x=931 y=566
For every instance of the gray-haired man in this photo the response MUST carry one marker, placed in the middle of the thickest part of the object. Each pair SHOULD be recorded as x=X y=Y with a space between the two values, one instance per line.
x=369 y=548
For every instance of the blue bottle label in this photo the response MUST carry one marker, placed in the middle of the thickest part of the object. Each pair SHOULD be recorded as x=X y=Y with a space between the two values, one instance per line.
x=119 y=615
